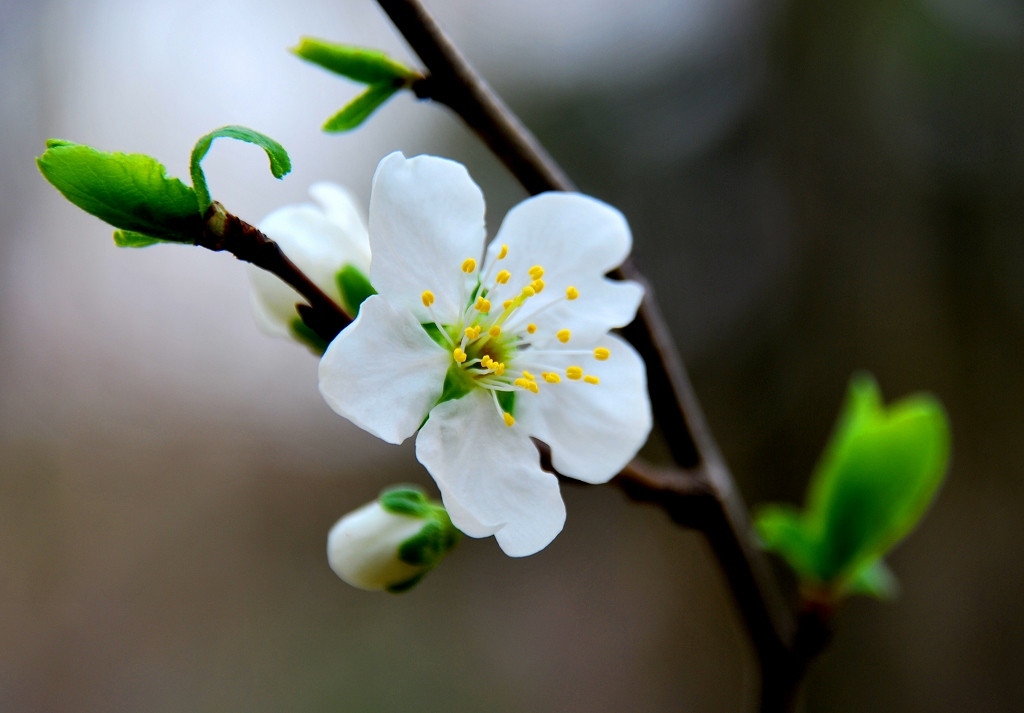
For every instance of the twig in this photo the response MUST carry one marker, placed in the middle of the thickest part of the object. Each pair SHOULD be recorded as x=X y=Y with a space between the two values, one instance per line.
x=224 y=231
x=705 y=497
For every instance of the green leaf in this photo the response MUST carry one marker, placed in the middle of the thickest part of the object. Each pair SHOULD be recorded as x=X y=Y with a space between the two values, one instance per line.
x=129 y=239
x=877 y=477
x=129 y=191
x=355 y=288
x=363 y=65
x=280 y=164
x=359 y=109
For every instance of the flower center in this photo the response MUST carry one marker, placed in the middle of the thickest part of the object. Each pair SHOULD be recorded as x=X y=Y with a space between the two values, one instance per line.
x=498 y=349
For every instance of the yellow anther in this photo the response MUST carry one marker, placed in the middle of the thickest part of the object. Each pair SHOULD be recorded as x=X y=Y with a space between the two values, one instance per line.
x=529 y=291
x=591 y=379
x=460 y=356
x=551 y=378
x=486 y=362
x=470 y=333
x=469 y=265
x=503 y=252
x=482 y=305
x=574 y=372
x=531 y=328
x=506 y=304
x=563 y=335
x=532 y=386
x=529 y=376
x=503 y=277
x=536 y=272
x=494 y=331
x=427 y=297
x=601 y=353
x=521 y=383
x=499 y=368
x=537 y=285
x=571 y=293
x=508 y=419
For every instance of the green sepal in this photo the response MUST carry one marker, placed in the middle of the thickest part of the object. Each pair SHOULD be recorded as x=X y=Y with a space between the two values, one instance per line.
x=129 y=191
x=280 y=163
x=359 y=109
x=301 y=331
x=406 y=585
x=363 y=65
x=877 y=477
x=435 y=539
x=355 y=288
x=405 y=500
x=507 y=401
x=439 y=338
x=457 y=383
x=130 y=239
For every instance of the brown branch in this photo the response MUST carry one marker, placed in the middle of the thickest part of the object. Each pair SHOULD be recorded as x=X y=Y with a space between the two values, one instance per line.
x=224 y=231
x=704 y=496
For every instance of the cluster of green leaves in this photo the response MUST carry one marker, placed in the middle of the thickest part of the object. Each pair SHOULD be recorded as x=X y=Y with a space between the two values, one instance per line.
x=430 y=545
x=878 y=475
x=382 y=76
x=133 y=193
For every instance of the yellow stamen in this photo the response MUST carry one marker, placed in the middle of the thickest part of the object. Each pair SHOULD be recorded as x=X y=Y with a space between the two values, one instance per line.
x=470 y=333
x=427 y=297
x=503 y=277
x=482 y=305
x=537 y=285
x=521 y=383
x=508 y=419
x=494 y=331
x=601 y=353
x=551 y=378
x=533 y=387
x=486 y=362
x=506 y=304
x=499 y=369
x=469 y=265
x=571 y=293
x=460 y=356
x=529 y=376
x=563 y=335
x=503 y=252
x=574 y=372
x=529 y=291
x=531 y=328
x=591 y=379
x=536 y=272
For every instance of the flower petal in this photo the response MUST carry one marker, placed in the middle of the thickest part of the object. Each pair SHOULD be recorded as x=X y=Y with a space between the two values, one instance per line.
x=577 y=240
x=319 y=242
x=594 y=430
x=426 y=219
x=490 y=476
x=383 y=372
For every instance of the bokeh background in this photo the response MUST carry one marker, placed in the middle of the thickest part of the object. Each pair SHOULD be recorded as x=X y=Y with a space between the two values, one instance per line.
x=814 y=187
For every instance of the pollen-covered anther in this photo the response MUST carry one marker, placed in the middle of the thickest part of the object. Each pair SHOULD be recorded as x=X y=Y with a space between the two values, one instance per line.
x=482 y=305
x=468 y=265
x=591 y=379
x=574 y=372
x=536 y=272
x=563 y=335
x=571 y=293
x=602 y=353
x=472 y=333
x=529 y=376
x=460 y=356
x=499 y=368
x=427 y=297
x=494 y=331
x=531 y=328
x=486 y=361
x=503 y=277
x=506 y=304
x=503 y=252
x=528 y=291
x=537 y=285
x=508 y=419
x=550 y=377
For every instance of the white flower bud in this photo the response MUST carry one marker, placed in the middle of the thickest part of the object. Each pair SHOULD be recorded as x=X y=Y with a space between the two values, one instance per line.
x=391 y=543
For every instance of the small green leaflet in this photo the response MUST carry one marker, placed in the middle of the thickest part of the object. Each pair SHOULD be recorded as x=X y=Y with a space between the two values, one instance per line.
x=382 y=75
x=129 y=191
x=128 y=239
x=357 y=63
x=877 y=477
x=280 y=164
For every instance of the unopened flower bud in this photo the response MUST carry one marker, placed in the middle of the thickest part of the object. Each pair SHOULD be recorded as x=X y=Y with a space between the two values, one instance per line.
x=391 y=543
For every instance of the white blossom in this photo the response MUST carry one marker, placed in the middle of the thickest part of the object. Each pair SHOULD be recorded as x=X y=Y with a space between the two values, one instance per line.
x=321 y=240
x=493 y=350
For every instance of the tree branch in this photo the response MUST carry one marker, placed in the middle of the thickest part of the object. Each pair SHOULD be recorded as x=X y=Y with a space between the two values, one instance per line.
x=226 y=232
x=704 y=495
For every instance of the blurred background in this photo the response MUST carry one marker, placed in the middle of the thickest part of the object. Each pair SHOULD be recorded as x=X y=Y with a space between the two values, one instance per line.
x=814 y=188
